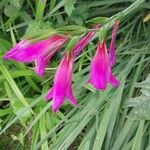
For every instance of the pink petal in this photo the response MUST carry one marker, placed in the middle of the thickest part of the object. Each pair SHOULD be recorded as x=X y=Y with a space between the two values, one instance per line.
x=22 y=45
x=58 y=96
x=42 y=61
x=71 y=98
x=57 y=102
x=30 y=52
x=49 y=95
x=62 y=83
x=114 y=81
x=100 y=70
x=40 y=65
x=63 y=74
x=84 y=41
x=112 y=54
x=59 y=93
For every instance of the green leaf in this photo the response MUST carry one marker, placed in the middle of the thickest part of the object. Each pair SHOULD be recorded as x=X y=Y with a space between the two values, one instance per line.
x=141 y=104
x=43 y=132
x=35 y=135
x=4 y=45
x=69 y=7
x=14 y=86
x=123 y=134
x=38 y=116
x=11 y=11
x=15 y=103
x=21 y=113
x=5 y=111
x=40 y=9
x=138 y=137
x=17 y=3
x=108 y=114
x=78 y=20
x=38 y=30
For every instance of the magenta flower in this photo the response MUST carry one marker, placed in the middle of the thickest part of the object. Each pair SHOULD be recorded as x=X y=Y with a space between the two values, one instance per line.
x=112 y=55
x=42 y=61
x=100 y=69
x=84 y=41
x=62 y=87
x=40 y=52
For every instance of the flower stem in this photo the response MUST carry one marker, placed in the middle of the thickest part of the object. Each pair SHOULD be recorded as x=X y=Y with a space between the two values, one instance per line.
x=119 y=16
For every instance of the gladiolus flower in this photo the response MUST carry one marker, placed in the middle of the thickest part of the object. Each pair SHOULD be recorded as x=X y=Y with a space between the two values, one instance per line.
x=100 y=69
x=84 y=41
x=40 y=52
x=62 y=87
x=112 y=55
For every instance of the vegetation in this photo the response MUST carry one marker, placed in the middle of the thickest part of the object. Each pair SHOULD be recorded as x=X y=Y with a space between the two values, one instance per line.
x=114 y=119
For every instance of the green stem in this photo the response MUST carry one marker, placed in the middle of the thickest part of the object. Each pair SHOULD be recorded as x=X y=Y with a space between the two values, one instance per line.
x=122 y=14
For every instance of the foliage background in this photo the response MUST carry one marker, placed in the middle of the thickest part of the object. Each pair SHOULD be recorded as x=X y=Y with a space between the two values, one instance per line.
x=111 y=120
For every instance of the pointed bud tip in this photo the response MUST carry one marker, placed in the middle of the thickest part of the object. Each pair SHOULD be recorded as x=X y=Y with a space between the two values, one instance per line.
x=40 y=74
x=88 y=82
x=46 y=97
x=117 y=22
x=116 y=25
x=97 y=87
x=97 y=26
x=54 y=109
x=5 y=57
x=117 y=83
x=100 y=87
x=75 y=103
